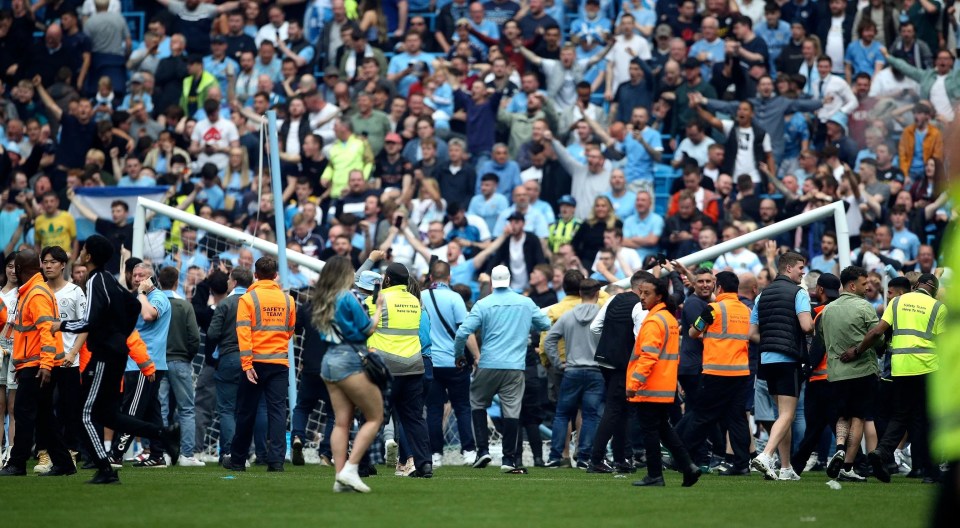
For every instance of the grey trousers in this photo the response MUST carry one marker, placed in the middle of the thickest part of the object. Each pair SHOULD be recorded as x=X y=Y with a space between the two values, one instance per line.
x=204 y=404
x=509 y=384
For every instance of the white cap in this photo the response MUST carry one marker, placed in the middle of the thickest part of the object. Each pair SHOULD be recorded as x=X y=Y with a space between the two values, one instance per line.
x=500 y=278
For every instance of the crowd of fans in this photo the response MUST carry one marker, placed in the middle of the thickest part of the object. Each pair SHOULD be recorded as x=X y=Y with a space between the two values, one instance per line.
x=542 y=136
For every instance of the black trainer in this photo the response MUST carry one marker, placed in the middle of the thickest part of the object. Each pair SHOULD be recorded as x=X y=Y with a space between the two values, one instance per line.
x=583 y=464
x=691 y=476
x=733 y=471
x=879 y=468
x=105 y=477
x=228 y=463
x=482 y=461
x=625 y=468
x=12 y=471
x=58 y=471
x=171 y=442
x=425 y=471
x=554 y=464
x=274 y=468
x=296 y=452
x=538 y=462
x=650 y=481
x=602 y=467
x=368 y=470
x=151 y=463
x=517 y=471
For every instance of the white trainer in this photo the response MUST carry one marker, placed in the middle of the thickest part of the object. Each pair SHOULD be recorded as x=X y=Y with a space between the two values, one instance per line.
x=850 y=476
x=392 y=449
x=44 y=463
x=764 y=464
x=351 y=480
x=788 y=474
x=191 y=461
x=437 y=460
x=811 y=462
x=469 y=457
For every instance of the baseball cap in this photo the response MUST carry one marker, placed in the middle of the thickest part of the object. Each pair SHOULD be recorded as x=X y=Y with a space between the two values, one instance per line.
x=930 y=280
x=218 y=39
x=368 y=280
x=331 y=70
x=830 y=284
x=663 y=30
x=500 y=277
x=516 y=216
x=691 y=63
x=566 y=199
x=137 y=78
x=393 y=137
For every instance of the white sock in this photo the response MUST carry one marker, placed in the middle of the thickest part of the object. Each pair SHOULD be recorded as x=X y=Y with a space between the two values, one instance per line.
x=107 y=444
x=349 y=469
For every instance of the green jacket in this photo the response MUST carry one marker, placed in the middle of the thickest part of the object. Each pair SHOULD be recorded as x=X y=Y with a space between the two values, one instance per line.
x=206 y=81
x=845 y=322
x=926 y=78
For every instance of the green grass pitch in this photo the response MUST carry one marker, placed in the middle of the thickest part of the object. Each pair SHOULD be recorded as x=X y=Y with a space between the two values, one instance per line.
x=456 y=496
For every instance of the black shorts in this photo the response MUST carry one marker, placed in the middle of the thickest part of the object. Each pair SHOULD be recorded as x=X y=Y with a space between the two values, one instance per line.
x=783 y=379
x=855 y=398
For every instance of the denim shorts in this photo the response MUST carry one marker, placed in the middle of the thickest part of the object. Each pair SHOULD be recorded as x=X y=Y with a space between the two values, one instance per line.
x=340 y=362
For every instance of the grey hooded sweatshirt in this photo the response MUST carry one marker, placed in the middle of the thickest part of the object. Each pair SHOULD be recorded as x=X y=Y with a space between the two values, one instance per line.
x=574 y=328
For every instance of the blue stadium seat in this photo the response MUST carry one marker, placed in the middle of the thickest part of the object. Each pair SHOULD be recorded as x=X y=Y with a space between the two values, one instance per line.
x=136 y=21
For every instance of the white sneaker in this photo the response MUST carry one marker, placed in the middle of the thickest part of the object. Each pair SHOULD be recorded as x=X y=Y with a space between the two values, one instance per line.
x=192 y=461
x=469 y=457
x=764 y=464
x=788 y=474
x=437 y=460
x=811 y=462
x=351 y=480
x=407 y=469
x=850 y=476
x=392 y=450
x=5 y=455
x=44 y=463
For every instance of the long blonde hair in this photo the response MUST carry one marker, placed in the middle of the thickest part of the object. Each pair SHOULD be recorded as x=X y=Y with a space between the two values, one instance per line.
x=335 y=277
x=611 y=221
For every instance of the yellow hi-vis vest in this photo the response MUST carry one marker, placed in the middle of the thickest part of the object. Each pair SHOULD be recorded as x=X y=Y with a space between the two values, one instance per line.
x=916 y=320
x=397 y=337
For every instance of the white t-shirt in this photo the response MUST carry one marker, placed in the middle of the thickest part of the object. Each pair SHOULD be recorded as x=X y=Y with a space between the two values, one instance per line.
x=293 y=138
x=622 y=53
x=886 y=85
x=638 y=314
x=938 y=96
x=628 y=256
x=472 y=220
x=697 y=152
x=834 y=48
x=324 y=130
x=72 y=304
x=519 y=279
x=742 y=262
x=746 y=161
x=220 y=134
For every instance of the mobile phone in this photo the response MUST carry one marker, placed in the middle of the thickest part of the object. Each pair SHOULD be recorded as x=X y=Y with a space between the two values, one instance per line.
x=174 y=249
x=376 y=292
x=398 y=221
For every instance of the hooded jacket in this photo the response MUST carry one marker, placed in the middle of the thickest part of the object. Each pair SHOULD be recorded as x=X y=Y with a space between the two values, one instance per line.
x=581 y=344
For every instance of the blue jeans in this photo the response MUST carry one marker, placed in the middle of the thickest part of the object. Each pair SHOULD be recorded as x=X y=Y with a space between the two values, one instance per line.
x=228 y=381
x=180 y=378
x=312 y=390
x=452 y=383
x=582 y=388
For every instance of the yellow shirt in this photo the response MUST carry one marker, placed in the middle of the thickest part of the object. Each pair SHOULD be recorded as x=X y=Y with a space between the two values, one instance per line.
x=343 y=157
x=60 y=230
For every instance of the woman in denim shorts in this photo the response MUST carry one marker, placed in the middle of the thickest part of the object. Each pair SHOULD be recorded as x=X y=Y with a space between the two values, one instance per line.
x=343 y=322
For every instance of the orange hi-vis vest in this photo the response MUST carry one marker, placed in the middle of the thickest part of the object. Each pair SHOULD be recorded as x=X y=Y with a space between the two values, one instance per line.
x=727 y=339
x=819 y=373
x=265 y=324
x=138 y=353
x=33 y=343
x=652 y=370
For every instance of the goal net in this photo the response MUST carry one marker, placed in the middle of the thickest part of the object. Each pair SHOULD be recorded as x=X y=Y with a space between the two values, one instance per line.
x=156 y=240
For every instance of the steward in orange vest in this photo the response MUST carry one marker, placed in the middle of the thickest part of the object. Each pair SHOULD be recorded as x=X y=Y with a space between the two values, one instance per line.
x=36 y=355
x=265 y=322
x=652 y=382
x=724 y=326
x=818 y=400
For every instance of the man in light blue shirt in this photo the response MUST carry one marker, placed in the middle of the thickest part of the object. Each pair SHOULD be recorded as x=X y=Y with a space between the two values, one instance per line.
x=774 y=31
x=446 y=311
x=642 y=147
x=621 y=197
x=219 y=64
x=268 y=63
x=863 y=54
x=534 y=221
x=405 y=67
x=505 y=319
x=488 y=203
x=505 y=168
x=642 y=230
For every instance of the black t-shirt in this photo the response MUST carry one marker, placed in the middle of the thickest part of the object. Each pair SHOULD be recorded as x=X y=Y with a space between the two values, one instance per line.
x=545 y=299
x=391 y=173
x=118 y=236
x=757 y=45
x=328 y=254
x=75 y=140
x=312 y=170
x=686 y=30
